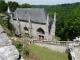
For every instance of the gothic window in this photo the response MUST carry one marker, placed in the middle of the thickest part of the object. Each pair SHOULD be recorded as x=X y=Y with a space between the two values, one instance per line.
x=40 y=31
x=25 y=28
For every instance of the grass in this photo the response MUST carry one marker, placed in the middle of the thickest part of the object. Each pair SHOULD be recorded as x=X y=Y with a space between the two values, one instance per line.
x=5 y=25
x=23 y=49
x=57 y=38
x=20 y=47
x=46 y=54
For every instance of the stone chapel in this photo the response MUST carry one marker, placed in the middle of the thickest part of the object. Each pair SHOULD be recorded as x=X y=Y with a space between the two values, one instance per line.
x=34 y=23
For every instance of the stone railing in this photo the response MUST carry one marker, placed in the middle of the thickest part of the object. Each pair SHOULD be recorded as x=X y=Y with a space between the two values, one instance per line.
x=62 y=43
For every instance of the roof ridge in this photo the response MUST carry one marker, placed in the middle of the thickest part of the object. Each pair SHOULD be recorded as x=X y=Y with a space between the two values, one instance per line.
x=30 y=8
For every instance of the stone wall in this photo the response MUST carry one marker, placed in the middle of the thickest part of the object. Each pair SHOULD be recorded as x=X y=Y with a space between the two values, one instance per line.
x=33 y=29
x=7 y=50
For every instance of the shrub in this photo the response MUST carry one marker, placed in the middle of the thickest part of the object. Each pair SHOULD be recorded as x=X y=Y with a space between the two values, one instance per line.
x=26 y=52
x=18 y=45
x=57 y=38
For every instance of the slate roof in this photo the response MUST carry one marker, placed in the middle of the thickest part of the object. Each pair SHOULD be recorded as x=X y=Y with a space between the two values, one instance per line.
x=37 y=15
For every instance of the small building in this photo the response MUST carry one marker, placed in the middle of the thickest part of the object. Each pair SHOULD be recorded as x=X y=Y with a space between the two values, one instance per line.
x=33 y=23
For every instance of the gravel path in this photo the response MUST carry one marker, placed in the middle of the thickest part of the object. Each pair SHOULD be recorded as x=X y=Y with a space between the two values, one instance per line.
x=53 y=47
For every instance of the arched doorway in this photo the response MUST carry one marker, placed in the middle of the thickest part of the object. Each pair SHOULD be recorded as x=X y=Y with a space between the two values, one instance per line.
x=40 y=33
x=26 y=31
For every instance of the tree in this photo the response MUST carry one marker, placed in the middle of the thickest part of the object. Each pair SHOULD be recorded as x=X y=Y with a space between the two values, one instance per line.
x=3 y=6
x=72 y=25
x=25 y=5
x=13 y=5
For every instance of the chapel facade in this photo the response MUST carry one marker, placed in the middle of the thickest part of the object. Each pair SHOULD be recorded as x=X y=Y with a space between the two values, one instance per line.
x=34 y=23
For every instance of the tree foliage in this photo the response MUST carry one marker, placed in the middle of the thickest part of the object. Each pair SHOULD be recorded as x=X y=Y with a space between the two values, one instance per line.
x=3 y=6
x=25 y=5
x=13 y=5
x=72 y=24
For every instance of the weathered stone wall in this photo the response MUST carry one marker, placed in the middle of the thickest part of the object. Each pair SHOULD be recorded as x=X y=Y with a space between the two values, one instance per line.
x=33 y=29
x=7 y=50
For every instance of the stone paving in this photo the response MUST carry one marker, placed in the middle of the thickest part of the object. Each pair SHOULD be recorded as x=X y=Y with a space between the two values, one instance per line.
x=53 y=47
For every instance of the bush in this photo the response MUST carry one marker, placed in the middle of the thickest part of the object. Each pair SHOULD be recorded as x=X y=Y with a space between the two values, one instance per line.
x=18 y=45
x=26 y=52
x=23 y=50
x=57 y=38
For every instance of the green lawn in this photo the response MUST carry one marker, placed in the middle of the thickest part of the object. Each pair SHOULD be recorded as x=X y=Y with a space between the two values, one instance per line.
x=46 y=54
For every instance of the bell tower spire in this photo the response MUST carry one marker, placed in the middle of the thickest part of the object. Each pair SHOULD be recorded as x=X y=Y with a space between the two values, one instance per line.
x=53 y=28
x=9 y=11
x=47 y=28
x=29 y=20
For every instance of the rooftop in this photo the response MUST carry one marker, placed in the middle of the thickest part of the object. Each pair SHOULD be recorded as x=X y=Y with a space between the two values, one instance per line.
x=38 y=15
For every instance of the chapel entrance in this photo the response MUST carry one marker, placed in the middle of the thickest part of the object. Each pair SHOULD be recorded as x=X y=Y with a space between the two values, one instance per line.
x=41 y=37
x=41 y=34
